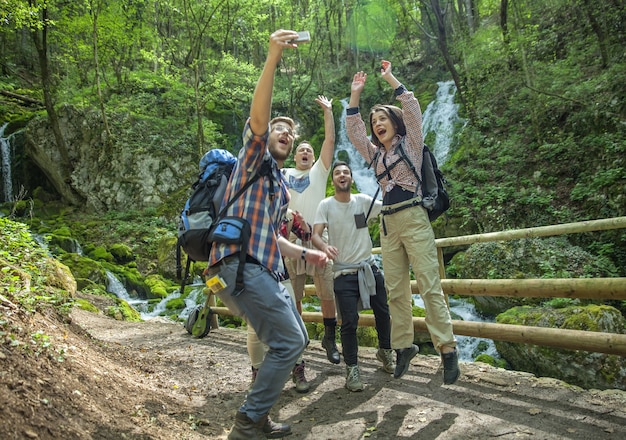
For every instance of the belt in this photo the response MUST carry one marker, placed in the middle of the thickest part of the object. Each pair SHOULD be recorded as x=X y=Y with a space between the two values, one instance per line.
x=392 y=209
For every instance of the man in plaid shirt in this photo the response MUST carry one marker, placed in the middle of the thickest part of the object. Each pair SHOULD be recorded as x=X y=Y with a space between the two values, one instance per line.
x=264 y=302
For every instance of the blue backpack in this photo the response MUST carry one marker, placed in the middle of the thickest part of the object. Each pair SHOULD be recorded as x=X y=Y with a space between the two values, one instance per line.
x=202 y=207
x=198 y=219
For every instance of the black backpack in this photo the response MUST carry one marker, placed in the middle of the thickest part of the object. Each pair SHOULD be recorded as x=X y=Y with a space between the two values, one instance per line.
x=435 y=196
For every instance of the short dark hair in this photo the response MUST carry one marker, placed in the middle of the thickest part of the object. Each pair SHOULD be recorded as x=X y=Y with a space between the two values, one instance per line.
x=340 y=163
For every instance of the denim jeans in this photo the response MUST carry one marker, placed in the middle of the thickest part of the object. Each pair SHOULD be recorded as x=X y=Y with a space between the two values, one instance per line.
x=347 y=297
x=266 y=305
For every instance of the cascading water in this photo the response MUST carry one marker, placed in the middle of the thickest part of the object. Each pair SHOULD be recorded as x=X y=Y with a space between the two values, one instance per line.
x=439 y=121
x=148 y=311
x=441 y=118
x=5 y=159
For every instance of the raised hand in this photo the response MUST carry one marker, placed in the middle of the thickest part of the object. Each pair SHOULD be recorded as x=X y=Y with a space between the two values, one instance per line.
x=358 y=82
x=324 y=102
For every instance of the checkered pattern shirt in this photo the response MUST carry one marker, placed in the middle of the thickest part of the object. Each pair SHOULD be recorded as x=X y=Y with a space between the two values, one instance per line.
x=413 y=143
x=263 y=204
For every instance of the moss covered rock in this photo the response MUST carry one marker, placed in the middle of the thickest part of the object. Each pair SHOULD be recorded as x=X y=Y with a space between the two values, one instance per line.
x=587 y=370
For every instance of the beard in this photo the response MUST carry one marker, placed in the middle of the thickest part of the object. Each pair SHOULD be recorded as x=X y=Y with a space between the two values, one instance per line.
x=275 y=149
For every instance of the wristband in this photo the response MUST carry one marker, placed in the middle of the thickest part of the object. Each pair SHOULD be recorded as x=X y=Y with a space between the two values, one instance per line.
x=303 y=254
x=400 y=90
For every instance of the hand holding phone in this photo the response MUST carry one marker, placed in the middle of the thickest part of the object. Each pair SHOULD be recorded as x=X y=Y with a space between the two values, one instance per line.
x=303 y=37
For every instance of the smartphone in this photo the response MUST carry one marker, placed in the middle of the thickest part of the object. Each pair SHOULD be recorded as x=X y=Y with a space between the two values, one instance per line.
x=303 y=37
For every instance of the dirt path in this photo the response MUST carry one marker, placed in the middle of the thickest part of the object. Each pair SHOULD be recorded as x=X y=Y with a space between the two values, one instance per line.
x=95 y=378
x=209 y=377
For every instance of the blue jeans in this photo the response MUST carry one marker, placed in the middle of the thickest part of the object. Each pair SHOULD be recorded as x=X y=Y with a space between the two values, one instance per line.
x=347 y=297
x=266 y=305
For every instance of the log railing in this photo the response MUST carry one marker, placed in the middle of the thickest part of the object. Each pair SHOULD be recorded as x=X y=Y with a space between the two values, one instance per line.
x=587 y=288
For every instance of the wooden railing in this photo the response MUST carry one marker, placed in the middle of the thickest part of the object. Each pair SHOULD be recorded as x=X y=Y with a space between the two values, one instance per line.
x=584 y=288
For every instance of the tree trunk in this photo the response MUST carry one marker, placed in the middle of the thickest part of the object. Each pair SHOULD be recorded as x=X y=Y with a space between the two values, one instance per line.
x=588 y=8
x=442 y=43
x=94 y=17
x=40 y=39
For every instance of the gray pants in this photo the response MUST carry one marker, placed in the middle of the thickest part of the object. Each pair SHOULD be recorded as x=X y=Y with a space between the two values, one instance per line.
x=267 y=306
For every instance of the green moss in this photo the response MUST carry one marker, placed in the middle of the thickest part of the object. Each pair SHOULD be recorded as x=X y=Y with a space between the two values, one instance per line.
x=63 y=232
x=101 y=254
x=123 y=311
x=84 y=268
x=122 y=253
x=367 y=336
x=175 y=304
x=485 y=359
x=158 y=286
x=83 y=304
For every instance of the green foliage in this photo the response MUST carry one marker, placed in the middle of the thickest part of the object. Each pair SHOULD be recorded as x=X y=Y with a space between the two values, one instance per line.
x=25 y=268
x=529 y=258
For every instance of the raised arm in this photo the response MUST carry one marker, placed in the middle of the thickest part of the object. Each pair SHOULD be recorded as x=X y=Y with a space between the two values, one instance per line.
x=261 y=106
x=385 y=73
x=328 y=147
x=358 y=84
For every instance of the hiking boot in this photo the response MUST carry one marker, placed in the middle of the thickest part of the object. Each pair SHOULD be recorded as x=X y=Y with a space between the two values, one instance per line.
x=332 y=354
x=451 y=371
x=244 y=428
x=385 y=355
x=353 y=378
x=272 y=429
x=404 y=356
x=297 y=376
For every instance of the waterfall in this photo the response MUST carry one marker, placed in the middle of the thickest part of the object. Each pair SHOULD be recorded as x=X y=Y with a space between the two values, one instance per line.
x=5 y=159
x=117 y=288
x=440 y=118
x=439 y=121
x=363 y=175
x=147 y=311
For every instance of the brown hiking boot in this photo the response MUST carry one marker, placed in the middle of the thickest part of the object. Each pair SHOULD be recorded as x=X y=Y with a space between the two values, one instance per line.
x=297 y=376
x=244 y=428
x=272 y=429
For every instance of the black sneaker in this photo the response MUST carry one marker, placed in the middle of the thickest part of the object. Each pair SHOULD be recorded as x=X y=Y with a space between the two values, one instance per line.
x=451 y=370
x=403 y=360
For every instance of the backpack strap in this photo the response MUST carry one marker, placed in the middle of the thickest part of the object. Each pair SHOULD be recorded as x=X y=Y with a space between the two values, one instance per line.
x=403 y=157
x=184 y=280
x=264 y=170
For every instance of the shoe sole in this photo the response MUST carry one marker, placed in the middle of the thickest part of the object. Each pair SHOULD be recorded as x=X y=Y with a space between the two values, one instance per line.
x=355 y=390
x=408 y=363
x=329 y=355
x=454 y=380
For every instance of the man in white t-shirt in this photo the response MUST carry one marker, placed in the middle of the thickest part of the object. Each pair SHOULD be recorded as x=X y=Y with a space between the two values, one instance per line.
x=358 y=282
x=307 y=186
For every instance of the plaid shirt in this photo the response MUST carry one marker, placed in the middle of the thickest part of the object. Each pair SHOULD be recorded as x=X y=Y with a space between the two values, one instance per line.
x=413 y=144
x=264 y=204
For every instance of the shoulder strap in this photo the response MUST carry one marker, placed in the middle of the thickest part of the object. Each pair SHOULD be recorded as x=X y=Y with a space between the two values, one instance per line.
x=404 y=156
x=369 y=211
x=264 y=170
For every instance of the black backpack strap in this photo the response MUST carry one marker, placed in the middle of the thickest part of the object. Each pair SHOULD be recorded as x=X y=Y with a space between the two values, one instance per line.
x=369 y=211
x=184 y=280
x=404 y=156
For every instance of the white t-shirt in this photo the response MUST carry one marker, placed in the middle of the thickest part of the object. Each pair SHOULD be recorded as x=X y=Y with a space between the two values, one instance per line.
x=354 y=245
x=307 y=188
